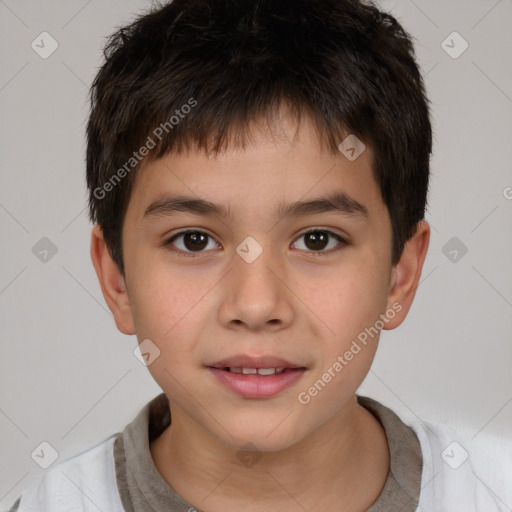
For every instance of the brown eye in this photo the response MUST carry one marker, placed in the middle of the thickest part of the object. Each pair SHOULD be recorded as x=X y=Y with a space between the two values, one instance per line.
x=191 y=242
x=318 y=239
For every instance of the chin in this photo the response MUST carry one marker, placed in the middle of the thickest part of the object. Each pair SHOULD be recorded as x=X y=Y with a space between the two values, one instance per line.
x=260 y=437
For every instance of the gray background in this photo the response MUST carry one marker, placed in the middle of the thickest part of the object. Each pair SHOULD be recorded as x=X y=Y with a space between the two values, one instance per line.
x=69 y=378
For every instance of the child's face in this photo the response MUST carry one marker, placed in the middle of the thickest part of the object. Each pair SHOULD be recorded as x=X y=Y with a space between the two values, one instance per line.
x=303 y=299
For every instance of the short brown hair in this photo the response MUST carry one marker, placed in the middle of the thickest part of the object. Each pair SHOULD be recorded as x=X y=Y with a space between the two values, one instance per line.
x=347 y=65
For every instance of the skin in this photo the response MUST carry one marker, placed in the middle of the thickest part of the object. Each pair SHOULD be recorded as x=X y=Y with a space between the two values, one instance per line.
x=290 y=302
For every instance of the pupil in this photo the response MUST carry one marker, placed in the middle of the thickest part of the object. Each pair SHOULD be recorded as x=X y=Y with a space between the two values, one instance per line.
x=195 y=240
x=318 y=239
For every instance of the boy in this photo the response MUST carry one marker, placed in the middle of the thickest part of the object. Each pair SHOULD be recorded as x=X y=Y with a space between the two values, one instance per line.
x=258 y=176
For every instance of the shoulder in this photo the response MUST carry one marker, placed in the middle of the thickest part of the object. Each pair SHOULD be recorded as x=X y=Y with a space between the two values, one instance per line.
x=459 y=474
x=83 y=482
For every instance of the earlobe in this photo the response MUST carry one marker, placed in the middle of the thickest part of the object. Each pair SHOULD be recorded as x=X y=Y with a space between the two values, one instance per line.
x=406 y=274
x=112 y=282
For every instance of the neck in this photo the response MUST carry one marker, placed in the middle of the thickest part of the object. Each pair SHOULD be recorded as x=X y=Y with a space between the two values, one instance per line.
x=346 y=460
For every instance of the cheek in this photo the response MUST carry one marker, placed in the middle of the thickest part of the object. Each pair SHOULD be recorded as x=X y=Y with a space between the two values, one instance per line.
x=354 y=300
x=163 y=305
x=353 y=304
x=167 y=311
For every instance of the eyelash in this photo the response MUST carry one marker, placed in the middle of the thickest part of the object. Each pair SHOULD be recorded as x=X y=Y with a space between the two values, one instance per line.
x=187 y=254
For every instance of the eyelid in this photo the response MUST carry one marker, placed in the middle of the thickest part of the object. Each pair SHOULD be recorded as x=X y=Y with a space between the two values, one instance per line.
x=331 y=231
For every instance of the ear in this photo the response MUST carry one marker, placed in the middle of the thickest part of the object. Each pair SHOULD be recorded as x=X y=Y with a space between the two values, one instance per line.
x=112 y=282
x=406 y=275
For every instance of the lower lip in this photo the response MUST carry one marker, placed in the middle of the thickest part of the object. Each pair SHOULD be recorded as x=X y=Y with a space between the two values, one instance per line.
x=257 y=386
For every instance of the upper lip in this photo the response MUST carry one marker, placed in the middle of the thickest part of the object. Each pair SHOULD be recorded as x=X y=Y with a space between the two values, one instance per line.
x=246 y=361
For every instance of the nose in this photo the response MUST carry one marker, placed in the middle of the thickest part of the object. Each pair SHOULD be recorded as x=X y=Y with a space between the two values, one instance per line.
x=255 y=295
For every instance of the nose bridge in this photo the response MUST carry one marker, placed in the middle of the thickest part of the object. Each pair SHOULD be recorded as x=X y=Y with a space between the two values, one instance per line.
x=255 y=264
x=255 y=294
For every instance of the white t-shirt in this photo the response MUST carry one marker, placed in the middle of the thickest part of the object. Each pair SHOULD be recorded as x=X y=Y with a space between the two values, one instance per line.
x=95 y=480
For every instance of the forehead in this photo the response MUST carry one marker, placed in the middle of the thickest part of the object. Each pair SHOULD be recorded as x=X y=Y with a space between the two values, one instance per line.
x=274 y=172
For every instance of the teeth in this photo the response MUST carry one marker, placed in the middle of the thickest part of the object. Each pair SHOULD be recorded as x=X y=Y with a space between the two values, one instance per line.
x=259 y=371
x=266 y=371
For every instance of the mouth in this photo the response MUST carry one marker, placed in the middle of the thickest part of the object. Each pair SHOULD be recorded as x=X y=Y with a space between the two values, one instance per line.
x=251 y=377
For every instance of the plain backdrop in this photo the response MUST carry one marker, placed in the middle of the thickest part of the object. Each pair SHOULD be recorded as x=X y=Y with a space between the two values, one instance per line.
x=70 y=379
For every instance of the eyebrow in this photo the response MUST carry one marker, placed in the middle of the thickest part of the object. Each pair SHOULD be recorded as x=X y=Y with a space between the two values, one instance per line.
x=337 y=202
